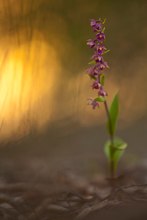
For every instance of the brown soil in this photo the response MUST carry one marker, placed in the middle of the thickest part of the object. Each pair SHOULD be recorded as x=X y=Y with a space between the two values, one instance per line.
x=68 y=196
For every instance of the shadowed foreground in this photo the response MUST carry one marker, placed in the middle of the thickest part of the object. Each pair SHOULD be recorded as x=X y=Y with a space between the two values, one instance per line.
x=68 y=196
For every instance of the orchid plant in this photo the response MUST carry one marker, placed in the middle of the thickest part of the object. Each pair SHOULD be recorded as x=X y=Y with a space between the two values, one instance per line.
x=114 y=147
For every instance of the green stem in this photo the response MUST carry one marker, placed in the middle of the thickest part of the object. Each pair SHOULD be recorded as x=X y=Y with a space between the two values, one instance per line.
x=112 y=162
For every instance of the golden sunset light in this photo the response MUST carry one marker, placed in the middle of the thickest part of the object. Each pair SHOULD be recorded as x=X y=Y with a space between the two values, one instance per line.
x=27 y=77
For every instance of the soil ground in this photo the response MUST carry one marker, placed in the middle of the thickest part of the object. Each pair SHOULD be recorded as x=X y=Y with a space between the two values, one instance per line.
x=68 y=196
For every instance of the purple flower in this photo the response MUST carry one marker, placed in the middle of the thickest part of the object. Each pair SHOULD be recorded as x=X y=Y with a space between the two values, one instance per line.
x=91 y=43
x=106 y=65
x=100 y=37
x=102 y=66
x=100 y=49
x=97 y=58
x=96 y=24
x=93 y=71
x=101 y=92
x=96 y=85
x=93 y=103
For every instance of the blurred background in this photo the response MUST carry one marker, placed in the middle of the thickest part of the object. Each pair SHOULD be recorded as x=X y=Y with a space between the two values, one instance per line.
x=46 y=125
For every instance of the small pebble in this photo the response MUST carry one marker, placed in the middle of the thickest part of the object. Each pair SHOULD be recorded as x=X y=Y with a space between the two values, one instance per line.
x=103 y=192
x=57 y=208
x=6 y=206
x=131 y=189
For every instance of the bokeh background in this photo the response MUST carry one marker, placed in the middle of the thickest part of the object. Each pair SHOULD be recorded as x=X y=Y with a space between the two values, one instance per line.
x=46 y=125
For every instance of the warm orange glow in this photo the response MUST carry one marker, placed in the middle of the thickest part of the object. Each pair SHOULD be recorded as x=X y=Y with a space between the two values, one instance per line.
x=27 y=75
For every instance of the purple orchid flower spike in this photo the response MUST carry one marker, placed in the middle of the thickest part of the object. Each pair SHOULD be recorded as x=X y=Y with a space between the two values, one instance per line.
x=98 y=66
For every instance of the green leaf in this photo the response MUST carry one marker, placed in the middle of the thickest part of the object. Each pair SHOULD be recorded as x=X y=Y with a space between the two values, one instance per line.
x=107 y=150
x=104 y=21
x=102 y=79
x=106 y=51
x=117 y=156
x=100 y=99
x=113 y=112
x=118 y=149
x=114 y=152
x=92 y=62
x=119 y=144
x=103 y=30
